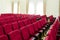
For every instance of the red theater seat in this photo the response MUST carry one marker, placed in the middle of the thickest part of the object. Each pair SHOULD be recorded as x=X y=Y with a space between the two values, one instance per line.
x=36 y=26
x=33 y=20
x=31 y=29
x=20 y=23
x=25 y=33
x=51 y=18
x=3 y=37
x=26 y=22
x=15 y=35
x=15 y=25
x=7 y=28
x=39 y=24
x=53 y=31
x=2 y=21
x=1 y=31
x=10 y=19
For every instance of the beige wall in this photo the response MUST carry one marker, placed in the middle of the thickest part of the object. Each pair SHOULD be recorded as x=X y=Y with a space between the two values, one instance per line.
x=52 y=8
x=5 y=6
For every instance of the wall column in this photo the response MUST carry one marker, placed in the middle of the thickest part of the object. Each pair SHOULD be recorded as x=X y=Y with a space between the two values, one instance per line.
x=12 y=6
x=27 y=6
x=44 y=6
x=18 y=9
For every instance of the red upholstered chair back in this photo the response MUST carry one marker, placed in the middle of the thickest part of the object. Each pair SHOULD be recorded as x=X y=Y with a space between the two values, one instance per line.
x=15 y=35
x=7 y=28
x=25 y=33
x=1 y=31
x=3 y=37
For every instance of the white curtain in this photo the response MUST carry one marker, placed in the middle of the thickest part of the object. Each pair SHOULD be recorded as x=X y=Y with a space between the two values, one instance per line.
x=36 y=7
x=15 y=8
x=39 y=8
x=31 y=8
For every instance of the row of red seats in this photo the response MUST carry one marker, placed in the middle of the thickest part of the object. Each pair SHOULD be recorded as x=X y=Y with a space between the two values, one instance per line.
x=16 y=25
x=9 y=19
x=6 y=27
x=52 y=32
x=19 y=25
x=26 y=31
x=58 y=32
x=22 y=15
